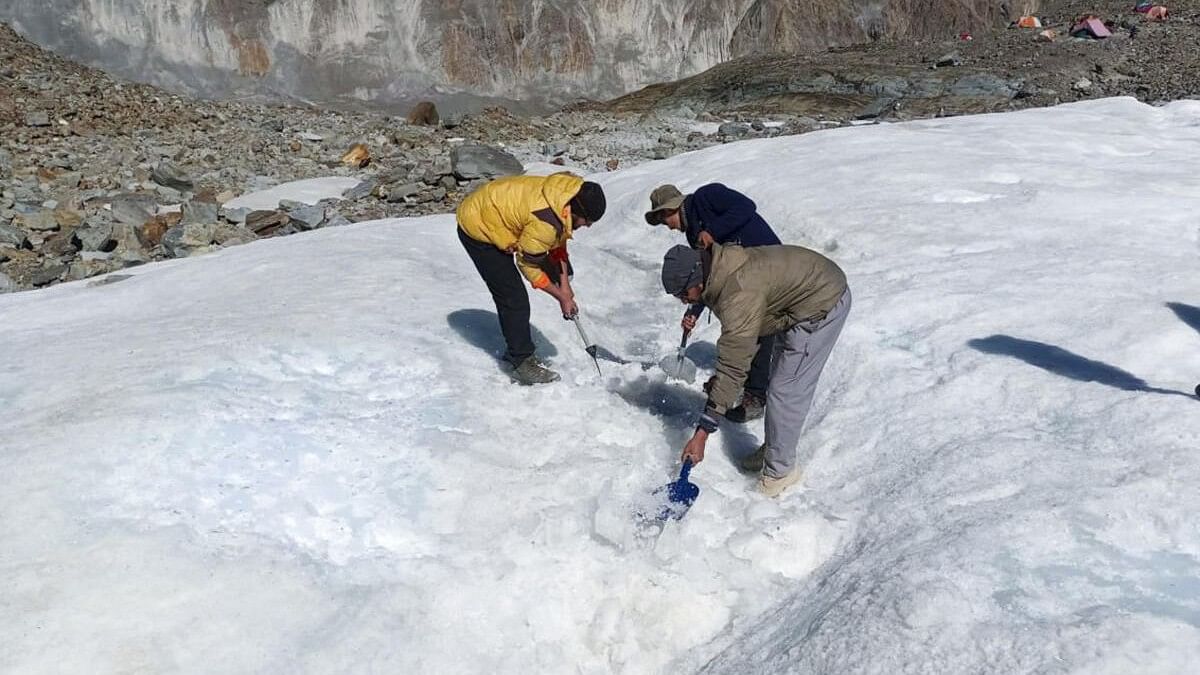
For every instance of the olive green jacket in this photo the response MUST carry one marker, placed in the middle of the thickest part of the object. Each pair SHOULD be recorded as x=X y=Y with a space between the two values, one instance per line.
x=762 y=291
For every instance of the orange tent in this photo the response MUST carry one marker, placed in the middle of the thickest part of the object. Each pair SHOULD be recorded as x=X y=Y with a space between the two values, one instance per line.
x=1029 y=22
x=1157 y=13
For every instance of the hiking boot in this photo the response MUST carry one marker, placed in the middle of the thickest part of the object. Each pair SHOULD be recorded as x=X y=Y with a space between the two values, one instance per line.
x=532 y=371
x=771 y=486
x=752 y=407
x=754 y=461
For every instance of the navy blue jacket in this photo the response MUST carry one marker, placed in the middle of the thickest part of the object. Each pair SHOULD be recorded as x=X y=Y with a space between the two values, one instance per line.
x=726 y=214
x=729 y=216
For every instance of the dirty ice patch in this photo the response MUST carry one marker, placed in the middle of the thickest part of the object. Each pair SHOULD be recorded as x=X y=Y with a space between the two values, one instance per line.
x=308 y=191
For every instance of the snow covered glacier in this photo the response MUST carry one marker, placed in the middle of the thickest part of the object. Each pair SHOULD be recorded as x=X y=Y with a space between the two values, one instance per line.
x=551 y=51
x=301 y=454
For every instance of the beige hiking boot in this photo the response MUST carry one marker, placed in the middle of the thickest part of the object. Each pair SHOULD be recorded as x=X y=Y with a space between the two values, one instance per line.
x=772 y=487
x=754 y=461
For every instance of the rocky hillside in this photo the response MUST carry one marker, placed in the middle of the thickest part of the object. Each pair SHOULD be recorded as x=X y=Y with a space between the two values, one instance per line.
x=992 y=71
x=465 y=51
x=97 y=174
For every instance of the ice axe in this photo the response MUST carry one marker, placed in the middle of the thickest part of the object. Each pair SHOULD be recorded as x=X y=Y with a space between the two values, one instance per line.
x=588 y=345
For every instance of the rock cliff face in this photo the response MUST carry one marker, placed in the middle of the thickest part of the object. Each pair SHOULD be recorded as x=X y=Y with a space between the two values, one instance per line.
x=550 y=51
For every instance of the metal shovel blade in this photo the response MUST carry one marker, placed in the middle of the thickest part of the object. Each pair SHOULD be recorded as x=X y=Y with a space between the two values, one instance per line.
x=679 y=366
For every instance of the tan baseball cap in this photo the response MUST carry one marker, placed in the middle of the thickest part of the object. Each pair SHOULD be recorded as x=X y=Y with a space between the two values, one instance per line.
x=664 y=198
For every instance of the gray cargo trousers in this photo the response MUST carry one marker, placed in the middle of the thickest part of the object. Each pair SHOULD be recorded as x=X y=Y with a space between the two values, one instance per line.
x=800 y=355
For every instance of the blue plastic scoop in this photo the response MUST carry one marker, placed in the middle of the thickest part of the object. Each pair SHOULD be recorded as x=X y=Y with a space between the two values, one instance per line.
x=679 y=495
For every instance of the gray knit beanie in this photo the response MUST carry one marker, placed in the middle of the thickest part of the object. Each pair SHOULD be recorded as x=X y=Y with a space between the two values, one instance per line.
x=681 y=270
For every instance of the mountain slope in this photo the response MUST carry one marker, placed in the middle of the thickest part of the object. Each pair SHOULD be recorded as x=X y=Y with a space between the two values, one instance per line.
x=547 y=53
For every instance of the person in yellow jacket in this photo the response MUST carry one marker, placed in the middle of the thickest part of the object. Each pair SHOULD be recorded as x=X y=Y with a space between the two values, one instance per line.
x=527 y=219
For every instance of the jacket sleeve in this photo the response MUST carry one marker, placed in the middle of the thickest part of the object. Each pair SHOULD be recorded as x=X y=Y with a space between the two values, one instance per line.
x=735 y=350
x=728 y=211
x=533 y=251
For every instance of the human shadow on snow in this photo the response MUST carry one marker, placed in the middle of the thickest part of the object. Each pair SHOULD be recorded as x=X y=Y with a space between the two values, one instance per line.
x=481 y=328
x=1187 y=314
x=1065 y=363
x=679 y=406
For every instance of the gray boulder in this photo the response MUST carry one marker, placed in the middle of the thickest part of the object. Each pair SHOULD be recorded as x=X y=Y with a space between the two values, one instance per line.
x=880 y=107
x=307 y=217
x=232 y=235
x=181 y=240
x=133 y=209
x=200 y=213
x=984 y=85
x=37 y=118
x=13 y=237
x=128 y=239
x=337 y=220
x=50 y=273
x=951 y=60
x=398 y=193
x=482 y=161
x=5 y=164
x=361 y=190
x=84 y=268
x=7 y=285
x=96 y=235
x=40 y=221
x=171 y=176
x=236 y=216
x=734 y=129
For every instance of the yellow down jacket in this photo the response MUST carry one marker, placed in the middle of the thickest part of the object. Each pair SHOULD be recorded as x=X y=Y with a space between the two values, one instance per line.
x=525 y=215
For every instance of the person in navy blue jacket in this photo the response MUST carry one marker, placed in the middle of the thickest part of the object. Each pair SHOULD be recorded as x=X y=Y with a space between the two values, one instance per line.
x=718 y=214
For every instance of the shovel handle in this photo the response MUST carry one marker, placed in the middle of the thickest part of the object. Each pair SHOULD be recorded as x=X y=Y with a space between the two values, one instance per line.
x=686 y=470
x=684 y=339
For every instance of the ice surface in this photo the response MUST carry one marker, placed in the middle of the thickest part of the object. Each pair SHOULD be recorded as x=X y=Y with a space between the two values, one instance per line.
x=309 y=191
x=302 y=455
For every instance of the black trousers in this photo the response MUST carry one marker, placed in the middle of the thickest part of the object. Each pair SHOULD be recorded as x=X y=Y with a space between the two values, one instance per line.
x=508 y=292
x=760 y=368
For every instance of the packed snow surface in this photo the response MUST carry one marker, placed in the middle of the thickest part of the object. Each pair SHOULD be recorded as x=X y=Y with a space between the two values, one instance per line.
x=302 y=454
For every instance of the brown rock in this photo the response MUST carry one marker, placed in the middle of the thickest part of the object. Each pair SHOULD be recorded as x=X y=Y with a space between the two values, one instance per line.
x=357 y=157
x=424 y=114
x=67 y=218
x=295 y=146
x=152 y=231
x=60 y=245
x=612 y=164
x=266 y=223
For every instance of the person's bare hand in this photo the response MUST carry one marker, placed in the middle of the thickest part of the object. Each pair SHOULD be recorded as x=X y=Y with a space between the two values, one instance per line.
x=694 y=450
x=706 y=239
x=568 y=307
x=688 y=323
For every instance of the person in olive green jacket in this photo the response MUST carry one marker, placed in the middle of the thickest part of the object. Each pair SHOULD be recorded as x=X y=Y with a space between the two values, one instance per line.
x=791 y=291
